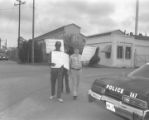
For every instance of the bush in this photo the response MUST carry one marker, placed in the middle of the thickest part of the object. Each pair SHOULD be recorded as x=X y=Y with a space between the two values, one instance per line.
x=25 y=52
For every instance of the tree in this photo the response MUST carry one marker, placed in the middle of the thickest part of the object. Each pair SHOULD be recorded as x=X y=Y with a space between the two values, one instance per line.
x=38 y=53
x=23 y=52
x=26 y=52
x=12 y=54
x=72 y=41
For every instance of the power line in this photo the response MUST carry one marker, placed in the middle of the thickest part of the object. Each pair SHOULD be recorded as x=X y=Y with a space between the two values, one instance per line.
x=6 y=9
x=13 y=8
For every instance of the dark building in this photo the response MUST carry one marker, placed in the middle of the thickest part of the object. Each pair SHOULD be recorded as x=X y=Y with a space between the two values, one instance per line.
x=59 y=33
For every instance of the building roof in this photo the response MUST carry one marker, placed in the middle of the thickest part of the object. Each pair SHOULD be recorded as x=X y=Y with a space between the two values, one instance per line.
x=140 y=37
x=55 y=31
x=104 y=34
x=82 y=35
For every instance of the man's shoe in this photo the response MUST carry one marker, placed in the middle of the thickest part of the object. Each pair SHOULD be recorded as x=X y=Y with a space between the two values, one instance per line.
x=60 y=100
x=74 y=97
x=51 y=97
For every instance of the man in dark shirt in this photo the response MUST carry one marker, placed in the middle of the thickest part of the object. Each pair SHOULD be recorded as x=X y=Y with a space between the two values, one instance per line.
x=56 y=74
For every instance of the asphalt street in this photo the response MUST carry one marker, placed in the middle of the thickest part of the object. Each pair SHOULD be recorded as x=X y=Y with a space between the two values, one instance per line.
x=24 y=92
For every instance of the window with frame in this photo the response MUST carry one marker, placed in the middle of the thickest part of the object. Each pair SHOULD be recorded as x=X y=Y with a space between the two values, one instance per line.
x=119 y=52
x=108 y=55
x=128 y=53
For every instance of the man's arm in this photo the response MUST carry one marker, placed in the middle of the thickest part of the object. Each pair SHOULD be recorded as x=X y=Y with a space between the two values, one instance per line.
x=50 y=60
x=70 y=62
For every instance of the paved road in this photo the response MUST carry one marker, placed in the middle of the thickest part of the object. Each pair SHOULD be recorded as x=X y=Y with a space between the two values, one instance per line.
x=24 y=92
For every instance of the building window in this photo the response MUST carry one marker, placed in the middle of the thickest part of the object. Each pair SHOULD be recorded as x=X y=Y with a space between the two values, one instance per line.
x=120 y=52
x=107 y=50
x=108 y=55
x=128 y=53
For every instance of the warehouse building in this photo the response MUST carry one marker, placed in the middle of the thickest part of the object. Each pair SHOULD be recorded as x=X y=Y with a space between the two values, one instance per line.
x=59 y=33
x=120 y=50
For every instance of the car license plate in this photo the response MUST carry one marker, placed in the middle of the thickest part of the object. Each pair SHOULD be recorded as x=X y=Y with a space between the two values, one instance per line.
x=96 y=96
x=110 y=106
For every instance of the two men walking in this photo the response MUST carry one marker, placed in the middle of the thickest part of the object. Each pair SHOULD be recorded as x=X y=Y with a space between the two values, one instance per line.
x=58 y=73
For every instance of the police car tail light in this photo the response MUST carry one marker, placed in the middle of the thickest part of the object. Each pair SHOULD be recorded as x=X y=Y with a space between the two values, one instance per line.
x=98 y=89
x=134 y=102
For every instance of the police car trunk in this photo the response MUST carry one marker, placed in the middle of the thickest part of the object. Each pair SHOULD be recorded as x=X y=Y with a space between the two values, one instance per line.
x=116 y=98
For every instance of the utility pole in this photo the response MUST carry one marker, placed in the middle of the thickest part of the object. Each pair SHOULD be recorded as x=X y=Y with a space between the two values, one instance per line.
x=0 y=43
x=16 y=4
x=33 y=31
x=137 y=15
x=6 y=44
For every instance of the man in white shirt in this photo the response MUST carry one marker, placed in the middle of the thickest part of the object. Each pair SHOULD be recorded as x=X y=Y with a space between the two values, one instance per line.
x=76 y=68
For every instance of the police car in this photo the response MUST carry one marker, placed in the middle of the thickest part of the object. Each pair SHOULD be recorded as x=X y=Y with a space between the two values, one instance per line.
x=128 y=97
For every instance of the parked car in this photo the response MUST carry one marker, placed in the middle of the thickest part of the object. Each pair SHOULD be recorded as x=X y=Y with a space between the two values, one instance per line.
x=3 y=56
x=127 y=97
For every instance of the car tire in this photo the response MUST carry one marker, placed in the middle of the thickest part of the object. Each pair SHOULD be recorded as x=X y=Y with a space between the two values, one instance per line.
x=146 y=117
x=136 y=117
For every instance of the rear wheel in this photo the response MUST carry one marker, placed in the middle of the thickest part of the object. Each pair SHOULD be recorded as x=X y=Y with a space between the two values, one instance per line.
x=136 y=117
x=146 y=116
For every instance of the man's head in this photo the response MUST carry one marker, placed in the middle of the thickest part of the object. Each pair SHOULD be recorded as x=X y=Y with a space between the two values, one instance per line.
x=58 y=45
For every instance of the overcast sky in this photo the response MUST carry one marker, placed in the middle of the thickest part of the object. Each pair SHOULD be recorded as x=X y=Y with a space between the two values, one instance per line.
x=93 y=16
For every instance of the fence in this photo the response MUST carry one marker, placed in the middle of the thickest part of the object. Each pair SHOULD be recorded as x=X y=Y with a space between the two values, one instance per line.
x=140 y=60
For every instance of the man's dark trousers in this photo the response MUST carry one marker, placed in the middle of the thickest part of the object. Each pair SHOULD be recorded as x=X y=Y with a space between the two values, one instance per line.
x=56 y=74
x=65 y=75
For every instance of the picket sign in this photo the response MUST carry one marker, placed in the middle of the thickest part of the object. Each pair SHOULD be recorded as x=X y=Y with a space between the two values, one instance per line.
x=88 y=53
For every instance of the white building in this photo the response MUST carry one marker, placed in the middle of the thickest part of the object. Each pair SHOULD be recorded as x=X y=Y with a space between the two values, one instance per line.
x=120 y=50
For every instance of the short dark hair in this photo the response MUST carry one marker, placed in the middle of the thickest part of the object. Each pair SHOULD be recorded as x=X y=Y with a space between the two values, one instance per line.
x=58 y=43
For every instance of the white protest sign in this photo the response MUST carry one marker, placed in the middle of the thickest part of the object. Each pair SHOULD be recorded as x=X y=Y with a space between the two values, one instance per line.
x=88 y=53
x=60 y=59
x=50 y=44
